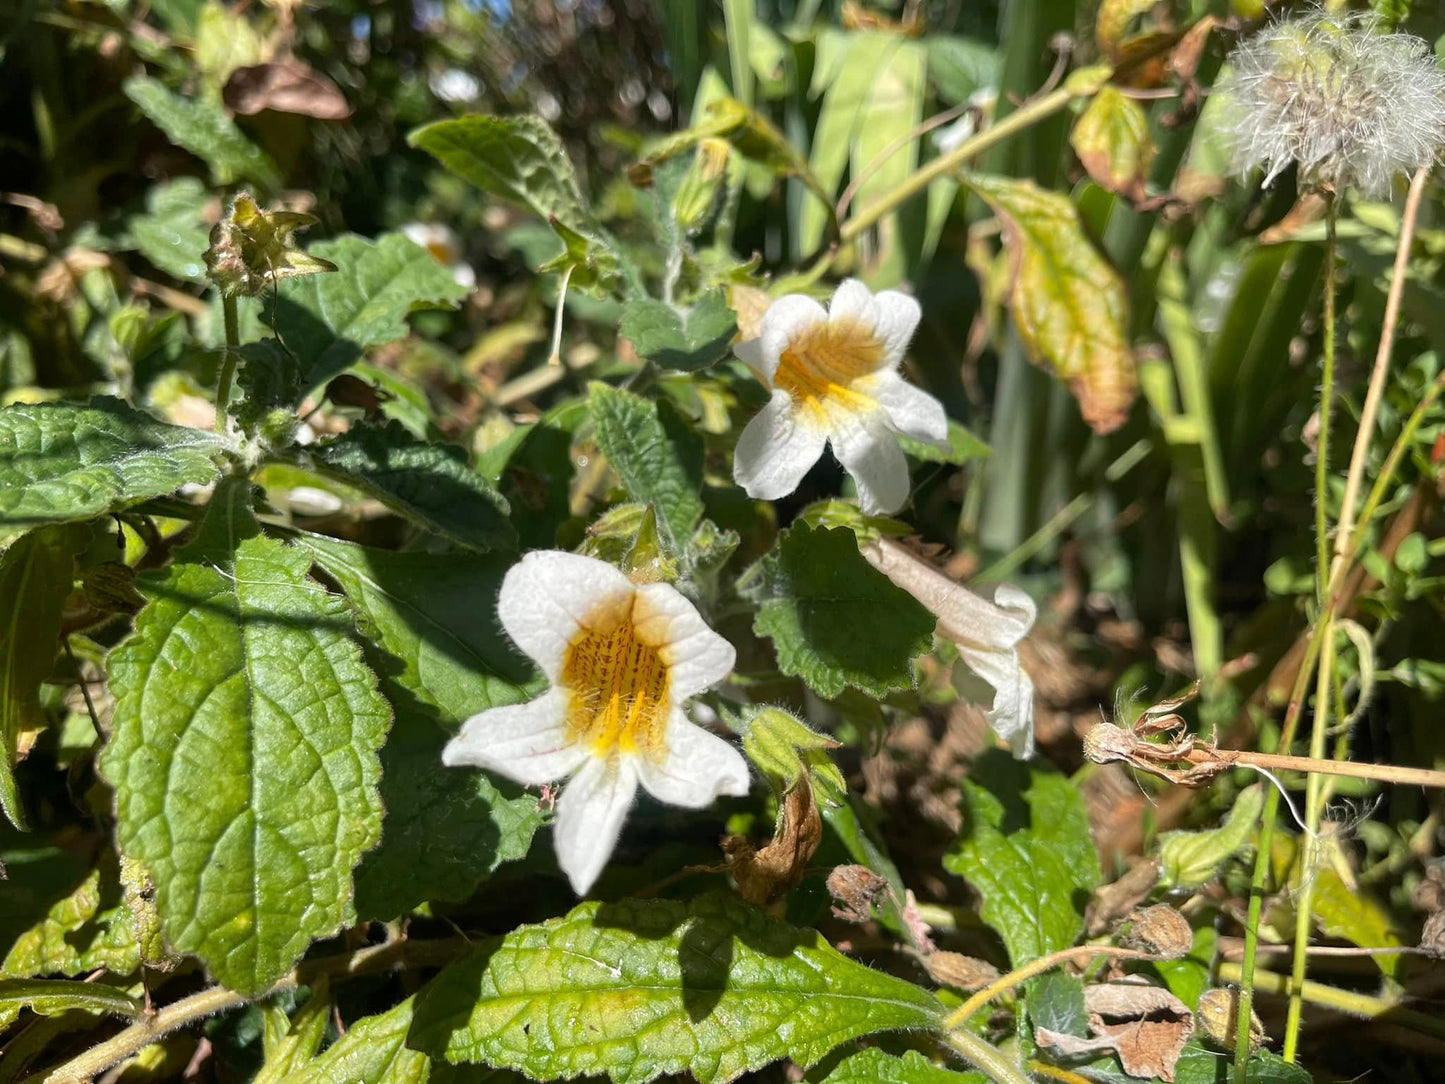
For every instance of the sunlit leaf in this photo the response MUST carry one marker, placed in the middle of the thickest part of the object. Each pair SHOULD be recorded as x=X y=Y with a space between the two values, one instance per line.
x=1188 y=859
x=49 y=997
x=686 y=338
x=1111 y=138
x=657 y=457
x=201 y=126
x=874 y=1066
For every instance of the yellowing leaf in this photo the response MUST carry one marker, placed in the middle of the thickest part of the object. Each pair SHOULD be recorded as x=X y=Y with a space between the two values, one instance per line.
x=1112 y=141
x=1069 y=306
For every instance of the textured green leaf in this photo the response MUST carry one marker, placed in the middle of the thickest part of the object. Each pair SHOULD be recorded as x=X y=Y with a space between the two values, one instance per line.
x=171 y=233
x=269 y=378
x=375 y=1050
x=963 y=446
x=89 y=928
x=430 y=484
x=437 y=613
x=35 y=578
x=640 y=988
x=328 y=320
x=518 y=158
x=1026 y=848
x=1069 y=306
x=243 y=753
x=657 y=458
x=1188 y=859
x=1111 y=138
x=66 y=461
x=688 y=340
x=960 y=66
x=815 y=592
x=291 y=1043
x=201 y=126
x=49 y=997
x=1056 y=1002
x=590 y=260
x=534 y=472
x=874 y=1066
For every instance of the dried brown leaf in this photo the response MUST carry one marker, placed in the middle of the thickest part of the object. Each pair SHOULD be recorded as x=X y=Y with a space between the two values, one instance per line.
x=765 y=876
x=1113 y=902
x=1146 y=1026
x=285 y=85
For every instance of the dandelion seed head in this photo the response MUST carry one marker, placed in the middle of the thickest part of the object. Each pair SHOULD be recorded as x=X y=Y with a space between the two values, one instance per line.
x=1349 y=104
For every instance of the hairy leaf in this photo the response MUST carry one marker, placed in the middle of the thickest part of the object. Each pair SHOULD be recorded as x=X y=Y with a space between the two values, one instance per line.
x=35 y=578
x=171 y=233
x=673 y=338
x=49 y=997
x=328 y=320
x=270 y=381
x=658 y=459
x=1188 y=859
x=88 y=929
x=201 y=126
x=291 y=1043
x=1111 y=138
x=61 y=462
x=243 y=753
x=640 y=988
x=1026 y=848
x=874 y=1066
x=815 y=591
x=430 y=484
x=1069 y=306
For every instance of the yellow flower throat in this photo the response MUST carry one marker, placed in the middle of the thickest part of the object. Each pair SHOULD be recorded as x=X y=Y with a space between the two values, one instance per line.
x=821 y=364
x=618 y=690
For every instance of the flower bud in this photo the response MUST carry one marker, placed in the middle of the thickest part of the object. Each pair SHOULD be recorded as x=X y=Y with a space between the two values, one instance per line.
x=251 y=249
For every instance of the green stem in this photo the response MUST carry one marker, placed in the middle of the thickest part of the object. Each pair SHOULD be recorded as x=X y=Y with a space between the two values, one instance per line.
x=989 y=1059
x=228 y=362
x=1327 y=402
x=1330 y=997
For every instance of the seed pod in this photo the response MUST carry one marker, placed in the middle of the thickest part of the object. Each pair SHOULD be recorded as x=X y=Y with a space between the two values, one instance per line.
x=857 y=890
x=959 y=971
x=1160 y=930
x=1216 y=1013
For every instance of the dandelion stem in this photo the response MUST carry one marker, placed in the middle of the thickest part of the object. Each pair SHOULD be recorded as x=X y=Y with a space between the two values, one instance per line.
x=228 y=361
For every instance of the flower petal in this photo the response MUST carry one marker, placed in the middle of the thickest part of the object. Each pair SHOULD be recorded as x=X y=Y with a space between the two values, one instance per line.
x=590 y=813
x=893 y=316
x=526 y=742
x=750 y=353
x=965 y=618
x=987 y=634
x=549 y=595
x=870 y=453
x=699 y=766
x=786 y=319
x=911 y=410
x=697 y=658
x=776 y=449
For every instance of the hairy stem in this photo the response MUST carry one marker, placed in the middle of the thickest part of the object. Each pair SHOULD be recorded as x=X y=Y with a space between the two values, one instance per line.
x=228 y=362
x=1326 y=411
x=1330 y=997
x=990 y=1060
x=961 y=1015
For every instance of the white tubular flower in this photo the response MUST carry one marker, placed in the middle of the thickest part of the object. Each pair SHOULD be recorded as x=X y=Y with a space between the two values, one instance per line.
x=986 y=634
x=834 y=377
x=623 y=659
x=1350 y=105
x=444 y=247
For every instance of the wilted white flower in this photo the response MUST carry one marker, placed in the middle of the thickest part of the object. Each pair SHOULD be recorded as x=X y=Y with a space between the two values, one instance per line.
x=622 y=660
x=1350 y=105
x=834 y=377
x=444 y=247
x=986 y=634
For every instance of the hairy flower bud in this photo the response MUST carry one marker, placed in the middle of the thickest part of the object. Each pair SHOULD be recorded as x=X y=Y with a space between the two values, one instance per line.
x=251 y=249
x=1348 y=104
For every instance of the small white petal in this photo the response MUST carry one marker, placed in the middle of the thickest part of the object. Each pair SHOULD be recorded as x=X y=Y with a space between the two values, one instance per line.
x=1000 y=624
x=987 y=634
x=699 y=767
x=697 y=658
x=590 y=813
x=786 y=319
x=776 y=449
x=913 y=412
x=549 y=595
x=893 y=316
x=870 y=453
x=750 y=353
x=526 y=742
x=464 y=275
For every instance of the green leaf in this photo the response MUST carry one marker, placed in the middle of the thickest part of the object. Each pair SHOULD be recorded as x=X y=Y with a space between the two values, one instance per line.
x=89 y=928
x=243 y=753
x=328 y=320
x=1056 y=1002
x=437 y=613
x=50 y=997
x=1111 y=138
x=1026 y=848
x=270 y=381
x=960 y=66
x=815 y=591
x=1188 y=859
x=520 y=159
x=375 y=1050
x=590 y=261
x=61 y=462
x=963 y=446
x=689 y=339
x=1200 y=1065
x=430 y=484
x=172 y=233
x=874 y=1066
x=291 y=1044
x=657 y=458
x=1069 y=306
x=639 y=988
x=201 y=126
x=35 y=578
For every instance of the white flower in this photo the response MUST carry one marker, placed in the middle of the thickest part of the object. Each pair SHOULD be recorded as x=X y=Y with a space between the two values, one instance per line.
x=985 y=633
x=622 y=659
x=444 y=247
x=834 y=377
x=1350 y=105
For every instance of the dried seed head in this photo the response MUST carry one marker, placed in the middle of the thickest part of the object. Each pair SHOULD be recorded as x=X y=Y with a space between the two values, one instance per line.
x=1432 y=937
x=959 y=971
x=1160 y=930
x=1216 y=1014
x=1349 y=104
x=857 y=890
